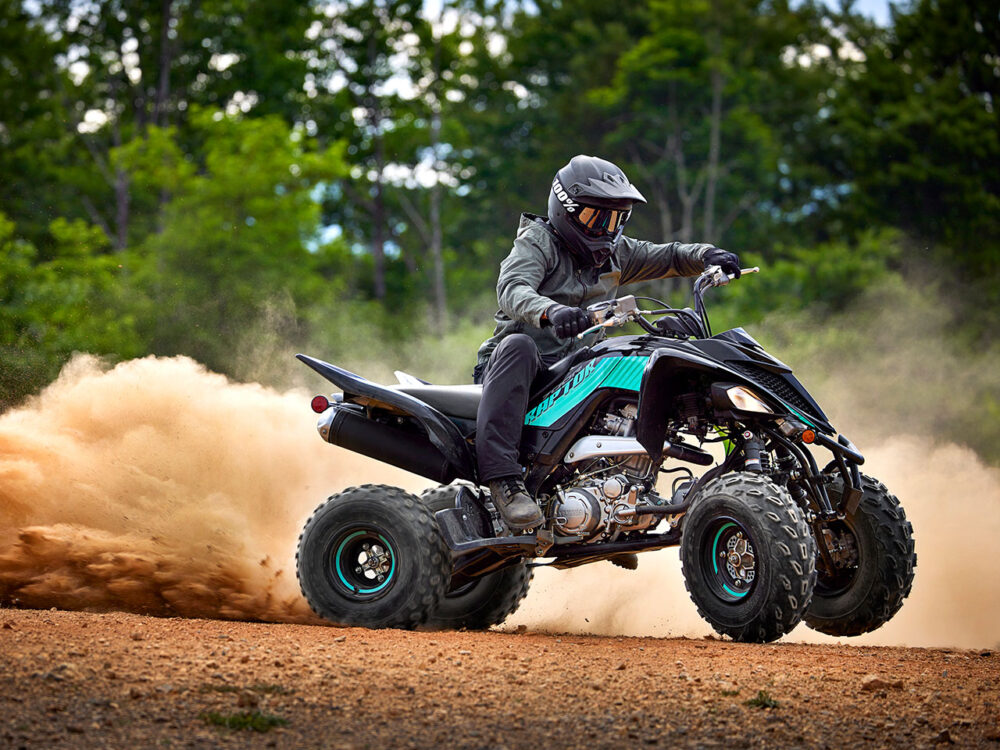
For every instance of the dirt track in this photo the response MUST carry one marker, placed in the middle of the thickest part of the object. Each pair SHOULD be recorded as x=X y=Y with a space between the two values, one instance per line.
x=120 y=680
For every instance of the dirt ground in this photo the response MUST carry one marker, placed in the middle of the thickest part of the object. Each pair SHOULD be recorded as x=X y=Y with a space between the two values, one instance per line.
x=72 y=679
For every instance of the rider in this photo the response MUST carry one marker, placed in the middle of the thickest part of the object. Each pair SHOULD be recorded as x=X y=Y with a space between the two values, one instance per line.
x=559 y=265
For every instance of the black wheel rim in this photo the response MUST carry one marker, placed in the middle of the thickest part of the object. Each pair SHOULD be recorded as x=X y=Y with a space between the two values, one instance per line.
x=846 y=553
x=362 y=563
x=730 y=560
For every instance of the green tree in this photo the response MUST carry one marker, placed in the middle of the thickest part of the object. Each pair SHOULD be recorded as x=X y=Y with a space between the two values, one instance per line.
x=704 y=105
x=33 y=140
x=366 y=44
x=917 y=130
x=105 y=72
x=235 y=236
x=73 y=301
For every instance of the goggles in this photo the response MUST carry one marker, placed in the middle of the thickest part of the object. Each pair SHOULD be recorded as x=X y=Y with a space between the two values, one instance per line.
x=600 y=222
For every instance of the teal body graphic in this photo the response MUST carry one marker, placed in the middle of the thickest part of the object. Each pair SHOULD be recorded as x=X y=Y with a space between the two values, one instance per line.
x=624 y=373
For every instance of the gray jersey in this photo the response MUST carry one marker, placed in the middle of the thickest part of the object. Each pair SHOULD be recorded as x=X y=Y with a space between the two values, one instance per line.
x=540 y=272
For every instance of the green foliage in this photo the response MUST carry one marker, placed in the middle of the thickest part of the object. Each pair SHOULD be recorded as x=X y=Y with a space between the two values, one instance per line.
x=823 y=279
x=234 y=235
x=257 y=721
x=895 y=362
x=762 y=700
x=916 y=133
x=74 y=301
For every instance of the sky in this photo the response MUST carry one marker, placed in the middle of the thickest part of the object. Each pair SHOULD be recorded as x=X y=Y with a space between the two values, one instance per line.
x=878 y=9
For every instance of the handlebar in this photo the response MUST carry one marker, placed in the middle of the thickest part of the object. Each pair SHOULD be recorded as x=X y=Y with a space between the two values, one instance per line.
x=623 y=310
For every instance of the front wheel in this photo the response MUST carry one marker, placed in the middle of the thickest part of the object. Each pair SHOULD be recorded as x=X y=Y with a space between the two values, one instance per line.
x=874 y=559
x=373 y=556
x=748 y=558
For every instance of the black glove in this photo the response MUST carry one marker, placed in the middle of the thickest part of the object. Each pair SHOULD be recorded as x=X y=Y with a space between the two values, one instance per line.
x=568 y=321
x=729 y=262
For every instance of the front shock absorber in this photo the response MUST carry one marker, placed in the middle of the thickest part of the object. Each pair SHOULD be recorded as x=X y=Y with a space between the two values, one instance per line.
x=753 y=452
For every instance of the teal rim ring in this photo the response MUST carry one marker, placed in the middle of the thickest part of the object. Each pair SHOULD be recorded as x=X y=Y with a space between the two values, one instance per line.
x=352 y=587
x=715 y=564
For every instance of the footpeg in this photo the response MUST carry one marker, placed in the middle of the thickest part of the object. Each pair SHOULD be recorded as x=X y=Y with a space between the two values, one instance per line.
x=467 y=527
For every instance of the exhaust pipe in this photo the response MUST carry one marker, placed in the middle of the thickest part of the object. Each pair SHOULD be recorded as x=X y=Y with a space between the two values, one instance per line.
x=411 y=451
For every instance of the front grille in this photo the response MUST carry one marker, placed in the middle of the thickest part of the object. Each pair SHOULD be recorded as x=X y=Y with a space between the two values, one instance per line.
x=774 y=383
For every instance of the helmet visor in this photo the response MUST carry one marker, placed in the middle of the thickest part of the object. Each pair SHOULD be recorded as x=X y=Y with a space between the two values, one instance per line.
x=601 y=222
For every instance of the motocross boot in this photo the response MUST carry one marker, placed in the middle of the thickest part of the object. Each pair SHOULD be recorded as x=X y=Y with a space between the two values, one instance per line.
x=515 y=504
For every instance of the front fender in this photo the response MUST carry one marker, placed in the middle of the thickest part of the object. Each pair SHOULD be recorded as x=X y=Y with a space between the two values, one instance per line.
x=661 y=382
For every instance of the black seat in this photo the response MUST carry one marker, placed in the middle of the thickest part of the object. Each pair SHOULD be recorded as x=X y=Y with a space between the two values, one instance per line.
x=460 y=401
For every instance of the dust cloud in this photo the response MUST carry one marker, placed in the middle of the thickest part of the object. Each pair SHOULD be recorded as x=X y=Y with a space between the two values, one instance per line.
x=161 y=488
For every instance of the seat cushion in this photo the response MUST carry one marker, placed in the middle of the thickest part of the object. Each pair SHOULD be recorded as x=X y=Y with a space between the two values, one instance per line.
x=460 y=401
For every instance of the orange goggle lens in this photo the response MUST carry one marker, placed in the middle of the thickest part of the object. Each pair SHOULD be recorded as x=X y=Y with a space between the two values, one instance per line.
x=601 y=221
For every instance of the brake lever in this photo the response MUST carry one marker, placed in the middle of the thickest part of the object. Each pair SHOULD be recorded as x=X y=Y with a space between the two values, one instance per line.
x=715 y=276
x=609 y=323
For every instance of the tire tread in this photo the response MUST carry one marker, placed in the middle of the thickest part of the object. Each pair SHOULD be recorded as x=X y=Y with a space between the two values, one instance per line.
x=894 y=578
x=429 y=588
x=795 y=563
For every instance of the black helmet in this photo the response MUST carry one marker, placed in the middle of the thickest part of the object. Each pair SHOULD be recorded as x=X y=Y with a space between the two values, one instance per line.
x=590 y=201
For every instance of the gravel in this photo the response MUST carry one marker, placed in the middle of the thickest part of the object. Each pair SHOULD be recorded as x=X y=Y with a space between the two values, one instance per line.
x=72 y=679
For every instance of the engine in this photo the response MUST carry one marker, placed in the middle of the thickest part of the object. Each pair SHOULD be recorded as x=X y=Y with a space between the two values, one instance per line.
x=599 y=504
x=603 y=507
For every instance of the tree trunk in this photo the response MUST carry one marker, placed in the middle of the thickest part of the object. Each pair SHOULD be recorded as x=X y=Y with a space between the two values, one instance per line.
x=437 y=255
x=378 y=199
x=666 y=216
x=378 y=216
x=437 y=251
x=675 y=147
x=166 y=59
x=120 y=240
x=715 y=126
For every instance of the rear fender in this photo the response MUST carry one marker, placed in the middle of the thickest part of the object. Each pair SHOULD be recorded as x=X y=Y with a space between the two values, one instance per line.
x=662 y=381
x=442 y=433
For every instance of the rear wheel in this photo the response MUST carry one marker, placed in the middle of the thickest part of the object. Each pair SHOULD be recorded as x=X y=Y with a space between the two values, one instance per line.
x=484 y=601
x=748 y=558
x=373 y=556
x=874 y=560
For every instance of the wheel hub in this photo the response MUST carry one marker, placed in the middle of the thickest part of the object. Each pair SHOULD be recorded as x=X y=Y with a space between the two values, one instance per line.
x=733 y=560
x=740 y=560
x=375 y=562
x=362 y=563
x=837 y=575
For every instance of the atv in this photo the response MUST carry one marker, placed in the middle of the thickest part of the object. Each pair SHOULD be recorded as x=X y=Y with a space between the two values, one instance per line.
x=767 y=537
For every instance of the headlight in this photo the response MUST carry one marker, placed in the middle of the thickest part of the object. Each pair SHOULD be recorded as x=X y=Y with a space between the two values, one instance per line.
x=746 y=400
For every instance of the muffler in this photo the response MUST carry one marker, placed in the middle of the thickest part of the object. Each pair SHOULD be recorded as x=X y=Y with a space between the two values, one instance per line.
x=344 y=426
